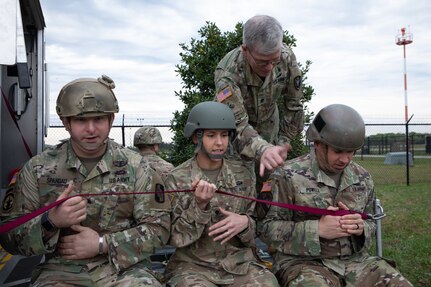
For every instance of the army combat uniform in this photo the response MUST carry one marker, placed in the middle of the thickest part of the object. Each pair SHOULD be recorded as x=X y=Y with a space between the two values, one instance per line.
x=198 y=258
x=161 y=166
x=293 y=236
x=133 y=225
x=254 y=101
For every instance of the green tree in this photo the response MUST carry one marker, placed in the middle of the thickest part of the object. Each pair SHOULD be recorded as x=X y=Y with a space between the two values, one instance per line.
x=199 y=59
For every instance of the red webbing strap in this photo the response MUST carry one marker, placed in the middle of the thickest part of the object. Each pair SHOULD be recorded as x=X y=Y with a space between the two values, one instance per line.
x=23 y=219
x=12 y=115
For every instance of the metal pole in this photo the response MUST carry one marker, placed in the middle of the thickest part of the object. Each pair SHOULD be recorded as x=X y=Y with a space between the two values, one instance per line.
x=123 y=133
x=378 y=209
x=407 y=151
x=406 y=113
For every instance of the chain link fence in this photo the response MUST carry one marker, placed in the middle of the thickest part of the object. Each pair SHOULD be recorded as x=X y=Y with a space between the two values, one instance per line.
x=383 y=155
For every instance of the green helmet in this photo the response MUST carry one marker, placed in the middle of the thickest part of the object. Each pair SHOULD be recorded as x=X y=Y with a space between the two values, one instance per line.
x=87 y=97
x=209 y=116
x=338 y=126
x=147 y=136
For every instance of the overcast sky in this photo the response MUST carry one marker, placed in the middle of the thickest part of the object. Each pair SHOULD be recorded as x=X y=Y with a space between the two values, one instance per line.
x=351 y=44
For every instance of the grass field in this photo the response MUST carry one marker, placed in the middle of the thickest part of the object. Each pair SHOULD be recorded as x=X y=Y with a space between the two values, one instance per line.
x=407 y=226
x=382 y=173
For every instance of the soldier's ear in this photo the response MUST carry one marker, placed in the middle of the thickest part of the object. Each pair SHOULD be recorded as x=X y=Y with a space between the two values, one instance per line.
x=66 y=123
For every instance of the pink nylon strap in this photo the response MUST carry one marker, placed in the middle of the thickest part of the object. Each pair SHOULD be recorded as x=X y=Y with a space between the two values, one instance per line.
x=314 y=210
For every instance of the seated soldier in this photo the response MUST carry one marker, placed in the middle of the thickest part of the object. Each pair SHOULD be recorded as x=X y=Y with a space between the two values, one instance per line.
x=147 y=140
x=88 y=241
x=326 y=250
x=214 y=235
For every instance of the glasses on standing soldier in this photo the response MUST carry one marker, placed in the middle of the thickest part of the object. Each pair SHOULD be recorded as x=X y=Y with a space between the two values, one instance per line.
x=264 y=63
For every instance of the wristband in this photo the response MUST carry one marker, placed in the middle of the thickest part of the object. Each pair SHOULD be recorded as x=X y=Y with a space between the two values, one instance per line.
x=101 y=245
x=47 y=223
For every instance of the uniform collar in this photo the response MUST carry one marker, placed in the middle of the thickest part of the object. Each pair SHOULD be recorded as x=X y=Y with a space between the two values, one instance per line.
x=348 y=176
x=225 y=179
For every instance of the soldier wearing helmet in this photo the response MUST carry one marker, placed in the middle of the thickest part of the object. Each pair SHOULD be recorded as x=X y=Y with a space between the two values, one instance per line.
x=323 y=250
x=147 y=140
x=213 y=235
x=88 y=241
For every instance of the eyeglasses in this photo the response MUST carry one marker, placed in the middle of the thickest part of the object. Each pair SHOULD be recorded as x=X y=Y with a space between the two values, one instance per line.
x=263 y=63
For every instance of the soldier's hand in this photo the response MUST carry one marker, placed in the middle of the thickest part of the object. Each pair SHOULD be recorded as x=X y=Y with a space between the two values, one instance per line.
x=352 y=223
x=329 y=226
x=229 y=227
x=72 y=211
x=82 y=245
x=204 y=192
x=273 y=157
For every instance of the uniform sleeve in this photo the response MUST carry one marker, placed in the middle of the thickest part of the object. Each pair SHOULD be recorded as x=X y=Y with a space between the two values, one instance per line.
x=280 y=232
x=188 y=220
x=292 y=122
x=248 y=142
x=21 y=199
x=363 y=243
x=152 y=216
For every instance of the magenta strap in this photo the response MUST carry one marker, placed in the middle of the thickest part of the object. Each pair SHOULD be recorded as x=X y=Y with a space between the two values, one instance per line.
x=314 y=210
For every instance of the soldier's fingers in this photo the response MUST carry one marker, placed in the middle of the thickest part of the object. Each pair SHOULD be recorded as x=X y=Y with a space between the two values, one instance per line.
x=66 y=192
x=227 y=236
x=261 y=169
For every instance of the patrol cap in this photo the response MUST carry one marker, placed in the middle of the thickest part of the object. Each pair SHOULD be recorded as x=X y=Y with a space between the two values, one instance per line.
x=147 y=136
x=87 y=97
x=209 y=116
x=338 y=126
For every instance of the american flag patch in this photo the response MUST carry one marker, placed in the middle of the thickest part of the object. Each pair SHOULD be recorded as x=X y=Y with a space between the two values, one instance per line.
x=224 y=94
x=266 y=187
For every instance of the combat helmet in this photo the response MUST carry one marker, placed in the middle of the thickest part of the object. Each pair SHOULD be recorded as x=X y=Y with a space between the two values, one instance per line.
x=87 y=97
x=147 y=136
x=209 y=116
x=338 y=126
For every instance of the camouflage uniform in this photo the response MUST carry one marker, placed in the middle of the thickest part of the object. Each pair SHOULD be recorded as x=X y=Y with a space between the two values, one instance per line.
x=161 y=166
x=301 y=257
x=133 y=225
x=198 y=259
x=254 y=101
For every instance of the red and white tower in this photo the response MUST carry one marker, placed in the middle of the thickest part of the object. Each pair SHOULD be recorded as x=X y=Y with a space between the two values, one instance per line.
x=404 y=38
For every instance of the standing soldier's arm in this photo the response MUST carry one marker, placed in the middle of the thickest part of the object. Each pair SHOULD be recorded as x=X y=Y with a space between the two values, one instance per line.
x=250 y=144
x=292 y=122
x=152 y=216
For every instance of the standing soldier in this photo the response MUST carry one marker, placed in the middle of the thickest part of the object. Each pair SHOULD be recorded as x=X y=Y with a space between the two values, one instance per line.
x=148 y=140
x=214 y=236
x=97 y=240
x=251 y=79
x=315 y=250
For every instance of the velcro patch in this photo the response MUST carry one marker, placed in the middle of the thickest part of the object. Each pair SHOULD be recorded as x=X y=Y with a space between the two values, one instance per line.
x=266 y=187
x=8 y=201
x=308 y=190
x=297 y=82
x=224 y=94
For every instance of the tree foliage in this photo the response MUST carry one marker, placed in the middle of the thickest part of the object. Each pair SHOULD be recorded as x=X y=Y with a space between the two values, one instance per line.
x=199 y=59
